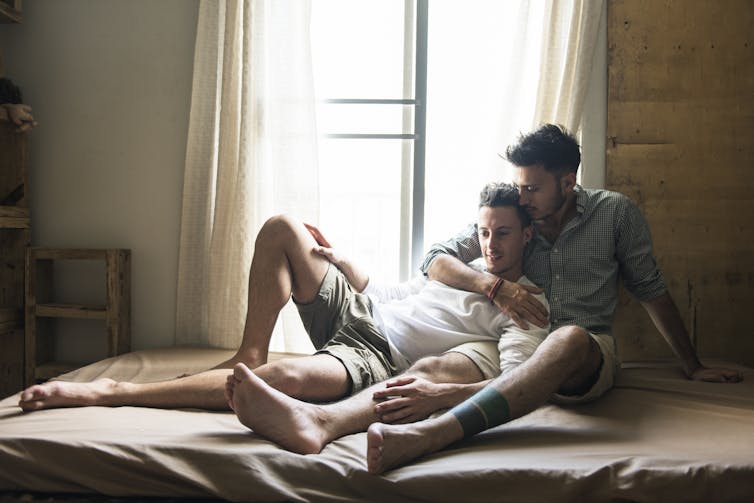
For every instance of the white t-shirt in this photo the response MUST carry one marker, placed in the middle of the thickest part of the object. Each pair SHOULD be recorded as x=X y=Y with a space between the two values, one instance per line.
x=424 y=317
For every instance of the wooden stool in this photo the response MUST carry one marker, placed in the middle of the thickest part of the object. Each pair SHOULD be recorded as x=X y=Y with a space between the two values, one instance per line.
x=116 y=312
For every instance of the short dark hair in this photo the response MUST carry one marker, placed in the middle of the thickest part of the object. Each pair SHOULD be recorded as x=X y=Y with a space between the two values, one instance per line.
x=551 y=146
x=495 y=195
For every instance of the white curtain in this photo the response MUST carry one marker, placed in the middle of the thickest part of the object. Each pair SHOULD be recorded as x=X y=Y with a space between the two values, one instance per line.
x=497 y=69
x=251 y=153
x=569 y=41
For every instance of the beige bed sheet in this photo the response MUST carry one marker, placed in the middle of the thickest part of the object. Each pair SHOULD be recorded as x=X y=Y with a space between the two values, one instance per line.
x=656 y=437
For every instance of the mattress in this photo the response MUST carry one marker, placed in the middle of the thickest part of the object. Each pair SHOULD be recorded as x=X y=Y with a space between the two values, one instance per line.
x=655 y=437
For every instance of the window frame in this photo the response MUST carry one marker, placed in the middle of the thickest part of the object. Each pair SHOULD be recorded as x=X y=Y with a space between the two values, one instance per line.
x=411 y=240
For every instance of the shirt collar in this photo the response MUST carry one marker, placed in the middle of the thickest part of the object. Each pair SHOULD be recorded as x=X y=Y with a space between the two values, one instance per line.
x=582 y=198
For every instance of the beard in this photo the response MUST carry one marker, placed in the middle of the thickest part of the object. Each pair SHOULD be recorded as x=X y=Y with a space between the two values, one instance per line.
x=555 y=204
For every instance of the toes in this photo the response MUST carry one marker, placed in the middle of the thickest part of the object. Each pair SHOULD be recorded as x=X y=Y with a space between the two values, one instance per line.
x=30 y=406
x=374 y=449
x=32 y=393
x=241 y=372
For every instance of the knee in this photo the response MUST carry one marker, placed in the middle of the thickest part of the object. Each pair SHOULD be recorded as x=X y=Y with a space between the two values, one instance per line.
x=448 y=367
x=278 y=224
x=427 y=367
x=278 y=228
x=286 y=378
x=572 y=343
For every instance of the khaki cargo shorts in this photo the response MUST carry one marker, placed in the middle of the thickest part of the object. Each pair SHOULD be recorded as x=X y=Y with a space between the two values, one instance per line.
x=339 y=323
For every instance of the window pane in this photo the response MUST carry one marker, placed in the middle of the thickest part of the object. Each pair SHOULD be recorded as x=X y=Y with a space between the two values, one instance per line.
x=360 y=184
x=357 y=48
x=480 y=95
x=337 y=118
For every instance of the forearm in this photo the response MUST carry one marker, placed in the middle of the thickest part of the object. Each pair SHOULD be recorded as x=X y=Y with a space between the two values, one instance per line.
x=452 y=272
x=667 y=319
x=355 y=276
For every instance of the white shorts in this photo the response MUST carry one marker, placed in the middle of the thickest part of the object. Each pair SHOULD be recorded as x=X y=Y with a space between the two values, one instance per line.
x=608 y=371
x=486 y=356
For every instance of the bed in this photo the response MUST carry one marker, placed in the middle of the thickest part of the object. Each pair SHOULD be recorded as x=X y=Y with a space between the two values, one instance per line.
x=656 y=437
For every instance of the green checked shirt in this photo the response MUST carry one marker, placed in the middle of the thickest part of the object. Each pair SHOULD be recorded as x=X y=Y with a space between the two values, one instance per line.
x=579 y=272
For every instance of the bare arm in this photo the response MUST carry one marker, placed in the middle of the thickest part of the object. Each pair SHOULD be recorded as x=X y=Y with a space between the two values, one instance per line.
x=667 y=319
x=354 y=275
x=515 y=300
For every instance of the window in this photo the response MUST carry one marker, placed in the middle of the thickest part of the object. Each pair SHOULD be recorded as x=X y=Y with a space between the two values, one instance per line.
x=364 y=72
x=401 y=81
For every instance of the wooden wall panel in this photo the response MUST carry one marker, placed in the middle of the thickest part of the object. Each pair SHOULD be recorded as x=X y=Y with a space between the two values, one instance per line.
x=681 y=144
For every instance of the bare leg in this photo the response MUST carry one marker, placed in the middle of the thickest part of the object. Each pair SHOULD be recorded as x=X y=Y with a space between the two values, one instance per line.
x=283 y=265
x=306 y=428
x=203 y=390
x=317 y=377
x=565 y=361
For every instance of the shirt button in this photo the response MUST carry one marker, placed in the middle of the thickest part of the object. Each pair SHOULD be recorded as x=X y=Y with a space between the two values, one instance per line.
x=557 y=276
x=555 y=250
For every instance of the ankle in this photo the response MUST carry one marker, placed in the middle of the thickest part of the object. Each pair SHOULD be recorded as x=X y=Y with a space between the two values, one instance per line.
x=114 y=393
x=252 y=357
x=443 y=430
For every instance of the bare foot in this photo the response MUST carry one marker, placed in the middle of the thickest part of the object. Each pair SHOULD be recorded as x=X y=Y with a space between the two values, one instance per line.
x=295 y=425
x=390 y=446
x=64 y=394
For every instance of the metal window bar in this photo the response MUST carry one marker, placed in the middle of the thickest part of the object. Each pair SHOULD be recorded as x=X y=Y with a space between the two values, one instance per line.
x=371 y=101
x=420 y=129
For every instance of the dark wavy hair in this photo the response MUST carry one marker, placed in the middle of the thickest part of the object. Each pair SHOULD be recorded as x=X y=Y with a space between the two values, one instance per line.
x=551 y=146
x=495 y=195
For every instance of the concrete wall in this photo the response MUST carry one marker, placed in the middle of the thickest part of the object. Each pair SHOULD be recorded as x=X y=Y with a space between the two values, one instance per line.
x=681 y=144
x=110 y=84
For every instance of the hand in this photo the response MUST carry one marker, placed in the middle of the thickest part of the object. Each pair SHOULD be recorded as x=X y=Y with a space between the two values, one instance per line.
x=332 y=255
x=716 y=374
x=317 y=235
x=408 y=399
x=520 y=305
x=21 y=116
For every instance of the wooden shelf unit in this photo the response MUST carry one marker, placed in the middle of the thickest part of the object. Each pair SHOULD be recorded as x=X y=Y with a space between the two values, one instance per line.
x=10 y=11
x=15 y=237
x=116 y=311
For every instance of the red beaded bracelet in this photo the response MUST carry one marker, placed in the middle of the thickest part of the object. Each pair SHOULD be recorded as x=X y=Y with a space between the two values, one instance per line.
x=493 y=291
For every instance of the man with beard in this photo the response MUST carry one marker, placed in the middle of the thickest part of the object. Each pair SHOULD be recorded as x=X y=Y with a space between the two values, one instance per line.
x=584 y=240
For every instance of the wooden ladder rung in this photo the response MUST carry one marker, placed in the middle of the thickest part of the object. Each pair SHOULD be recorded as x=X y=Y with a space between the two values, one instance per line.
x=71 y=311
x=116 y=312
x=68 y=254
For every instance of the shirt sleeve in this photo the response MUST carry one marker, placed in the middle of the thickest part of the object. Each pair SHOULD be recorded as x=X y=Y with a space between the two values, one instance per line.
x=633 y=248
x=464 y=246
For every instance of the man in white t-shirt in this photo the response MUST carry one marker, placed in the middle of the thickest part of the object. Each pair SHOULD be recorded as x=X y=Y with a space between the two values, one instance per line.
x=414 y=319
x=362 y=338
